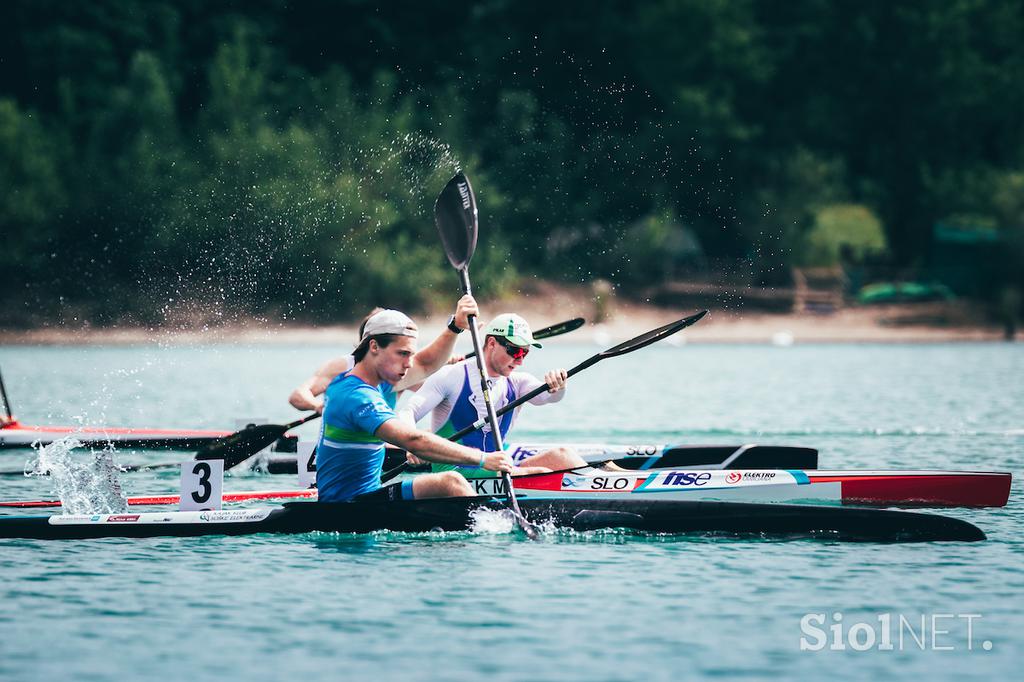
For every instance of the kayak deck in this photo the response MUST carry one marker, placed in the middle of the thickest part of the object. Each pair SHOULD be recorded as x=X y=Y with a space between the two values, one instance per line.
x=455 y=514
x=903 y=488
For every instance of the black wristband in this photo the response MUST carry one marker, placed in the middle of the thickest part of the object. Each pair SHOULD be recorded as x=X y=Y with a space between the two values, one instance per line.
x=454 y=328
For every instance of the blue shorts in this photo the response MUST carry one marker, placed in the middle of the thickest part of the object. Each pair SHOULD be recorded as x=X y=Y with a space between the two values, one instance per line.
x=389 y=493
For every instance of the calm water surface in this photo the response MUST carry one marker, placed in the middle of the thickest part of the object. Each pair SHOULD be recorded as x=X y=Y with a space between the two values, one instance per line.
x=593 y=606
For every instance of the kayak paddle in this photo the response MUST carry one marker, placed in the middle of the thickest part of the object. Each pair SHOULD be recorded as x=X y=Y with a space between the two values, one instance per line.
x=623 y=348
x=636 y=343
x=456 y=216
x=243 y=444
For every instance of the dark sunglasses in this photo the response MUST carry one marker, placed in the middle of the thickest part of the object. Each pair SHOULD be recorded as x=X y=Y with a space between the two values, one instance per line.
x=515 y=352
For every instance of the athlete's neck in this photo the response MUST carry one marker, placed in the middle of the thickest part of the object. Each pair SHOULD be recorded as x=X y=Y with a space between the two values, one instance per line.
x=364 y=371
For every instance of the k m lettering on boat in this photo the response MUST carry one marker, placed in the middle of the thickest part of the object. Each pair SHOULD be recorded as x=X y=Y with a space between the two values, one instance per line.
x=687 y=478
x=489 y=486
x=892 y=632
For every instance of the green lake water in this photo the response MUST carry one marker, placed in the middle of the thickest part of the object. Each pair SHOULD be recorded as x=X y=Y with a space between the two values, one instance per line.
x=573 y=606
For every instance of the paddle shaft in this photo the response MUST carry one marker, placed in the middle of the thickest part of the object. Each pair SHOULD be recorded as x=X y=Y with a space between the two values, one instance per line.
x=3 y=394
x=491 y=416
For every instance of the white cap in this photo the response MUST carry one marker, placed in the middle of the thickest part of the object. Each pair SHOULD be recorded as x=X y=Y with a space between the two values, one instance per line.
x=512 y=327
x=389 y=322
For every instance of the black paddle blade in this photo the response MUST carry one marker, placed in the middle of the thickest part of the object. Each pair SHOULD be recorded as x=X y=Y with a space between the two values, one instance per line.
x=242 y=444
x=456 y=217
x=559 y=329
x=653 y=336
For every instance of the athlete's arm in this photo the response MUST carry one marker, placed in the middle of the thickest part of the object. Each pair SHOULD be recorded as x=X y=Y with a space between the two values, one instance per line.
x=433 y=357
x=307 y=395
x=556 y=379
x=436 y=449
x=431 y=394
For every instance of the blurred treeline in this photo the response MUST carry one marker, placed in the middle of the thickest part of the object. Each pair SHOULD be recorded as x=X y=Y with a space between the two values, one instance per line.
x=198 y=159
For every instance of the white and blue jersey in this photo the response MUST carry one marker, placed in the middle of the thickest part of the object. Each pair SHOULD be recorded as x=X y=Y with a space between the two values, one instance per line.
x=453 y=395
x=349 y=456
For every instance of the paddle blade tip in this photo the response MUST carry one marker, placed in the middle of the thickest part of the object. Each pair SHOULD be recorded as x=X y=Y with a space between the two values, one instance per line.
x=455 y=214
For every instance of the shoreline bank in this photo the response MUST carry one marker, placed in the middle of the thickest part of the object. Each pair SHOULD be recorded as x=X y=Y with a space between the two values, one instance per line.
x=899 y=323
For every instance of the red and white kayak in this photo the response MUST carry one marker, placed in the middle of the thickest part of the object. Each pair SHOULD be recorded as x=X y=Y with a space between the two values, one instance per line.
x=877 y=488
x=19 y=435
x=892 y=488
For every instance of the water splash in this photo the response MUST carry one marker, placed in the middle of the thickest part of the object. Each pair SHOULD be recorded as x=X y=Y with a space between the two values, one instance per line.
x=488 y=521
x=84 y=485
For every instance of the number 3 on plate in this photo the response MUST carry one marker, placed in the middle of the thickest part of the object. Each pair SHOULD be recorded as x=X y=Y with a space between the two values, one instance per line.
x=202 y=485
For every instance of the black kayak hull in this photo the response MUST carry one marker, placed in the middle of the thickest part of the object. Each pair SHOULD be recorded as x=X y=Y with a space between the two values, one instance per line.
x=454 y=514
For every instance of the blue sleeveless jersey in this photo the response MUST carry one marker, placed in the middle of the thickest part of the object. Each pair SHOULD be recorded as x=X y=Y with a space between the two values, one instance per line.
x=349 y=457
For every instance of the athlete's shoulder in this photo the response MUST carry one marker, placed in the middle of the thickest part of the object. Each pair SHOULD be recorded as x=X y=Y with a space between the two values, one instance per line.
x=337 y=366
x=358 y=397
x=343 y=381
x=447 y=374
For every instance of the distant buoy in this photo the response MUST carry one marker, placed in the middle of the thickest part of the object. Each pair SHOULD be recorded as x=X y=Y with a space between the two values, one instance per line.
x=783 y=338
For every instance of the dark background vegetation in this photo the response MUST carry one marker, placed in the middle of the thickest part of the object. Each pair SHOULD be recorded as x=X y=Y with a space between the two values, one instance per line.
x=171 y=161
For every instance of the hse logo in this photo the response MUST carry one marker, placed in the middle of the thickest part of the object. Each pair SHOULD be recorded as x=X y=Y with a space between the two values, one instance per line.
x=687 y=478
x=521 y=453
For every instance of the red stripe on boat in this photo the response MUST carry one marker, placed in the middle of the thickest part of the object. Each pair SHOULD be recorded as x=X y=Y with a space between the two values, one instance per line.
x=960 y=490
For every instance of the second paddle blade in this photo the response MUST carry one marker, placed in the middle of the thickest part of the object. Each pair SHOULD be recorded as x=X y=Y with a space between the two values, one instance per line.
x=242 y=444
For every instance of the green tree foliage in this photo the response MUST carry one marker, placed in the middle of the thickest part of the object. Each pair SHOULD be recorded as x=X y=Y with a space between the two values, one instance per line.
x=167 y=160
x=844 y=229
x=33 y=194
